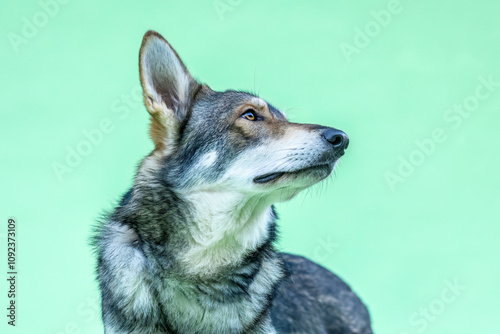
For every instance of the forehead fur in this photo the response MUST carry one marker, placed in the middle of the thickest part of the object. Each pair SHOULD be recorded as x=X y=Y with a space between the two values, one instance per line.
x=228 y=101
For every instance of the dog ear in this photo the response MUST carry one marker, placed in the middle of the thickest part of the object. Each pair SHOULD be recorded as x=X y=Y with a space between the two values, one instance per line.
x=167 y=86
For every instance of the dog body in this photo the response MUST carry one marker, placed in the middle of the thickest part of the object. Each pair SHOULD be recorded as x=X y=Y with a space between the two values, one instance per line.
x=190 y=248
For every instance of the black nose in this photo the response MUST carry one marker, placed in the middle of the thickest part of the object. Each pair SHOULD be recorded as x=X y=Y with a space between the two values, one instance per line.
x=337 y=138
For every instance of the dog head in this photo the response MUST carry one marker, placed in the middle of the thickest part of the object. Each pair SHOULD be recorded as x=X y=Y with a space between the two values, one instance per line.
x=208 y=141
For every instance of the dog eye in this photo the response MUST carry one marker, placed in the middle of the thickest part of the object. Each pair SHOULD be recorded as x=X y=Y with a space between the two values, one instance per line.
x=250 y=115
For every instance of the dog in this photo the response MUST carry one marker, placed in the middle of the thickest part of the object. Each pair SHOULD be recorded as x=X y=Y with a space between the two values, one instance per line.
x=190 y=247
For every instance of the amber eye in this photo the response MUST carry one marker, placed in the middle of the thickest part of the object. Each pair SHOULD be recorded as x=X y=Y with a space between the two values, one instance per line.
x=250 y=115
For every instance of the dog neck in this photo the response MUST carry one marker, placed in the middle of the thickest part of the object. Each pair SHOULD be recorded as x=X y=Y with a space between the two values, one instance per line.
x=225 y=227
x=213 y=251
x=218 y=227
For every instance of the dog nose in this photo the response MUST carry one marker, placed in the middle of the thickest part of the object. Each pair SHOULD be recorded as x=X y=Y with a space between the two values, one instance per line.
x=337 y=138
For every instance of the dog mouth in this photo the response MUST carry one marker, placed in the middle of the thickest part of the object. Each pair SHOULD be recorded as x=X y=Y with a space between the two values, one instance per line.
x=266 y=178
x=271 y=177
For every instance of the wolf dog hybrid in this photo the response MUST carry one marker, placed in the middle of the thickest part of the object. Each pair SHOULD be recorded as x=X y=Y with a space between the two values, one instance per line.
x=190 y=247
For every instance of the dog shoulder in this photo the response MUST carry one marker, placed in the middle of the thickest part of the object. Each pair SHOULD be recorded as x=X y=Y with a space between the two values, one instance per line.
x=314 y=297
x=310 y=272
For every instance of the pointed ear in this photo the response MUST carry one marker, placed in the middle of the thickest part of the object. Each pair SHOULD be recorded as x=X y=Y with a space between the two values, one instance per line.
x=167 y=86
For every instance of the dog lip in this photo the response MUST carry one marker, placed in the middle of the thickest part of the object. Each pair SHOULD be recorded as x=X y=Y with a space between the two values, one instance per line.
x=267 y=178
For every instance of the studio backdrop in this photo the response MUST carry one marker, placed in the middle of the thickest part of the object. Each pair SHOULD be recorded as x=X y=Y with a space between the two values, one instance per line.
x=410 y=217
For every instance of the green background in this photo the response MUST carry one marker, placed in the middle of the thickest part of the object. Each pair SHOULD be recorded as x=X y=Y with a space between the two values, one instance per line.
x=396 y=246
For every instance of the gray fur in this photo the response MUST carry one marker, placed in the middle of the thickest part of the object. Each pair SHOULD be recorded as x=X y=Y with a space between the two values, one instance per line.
x=190 y=248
